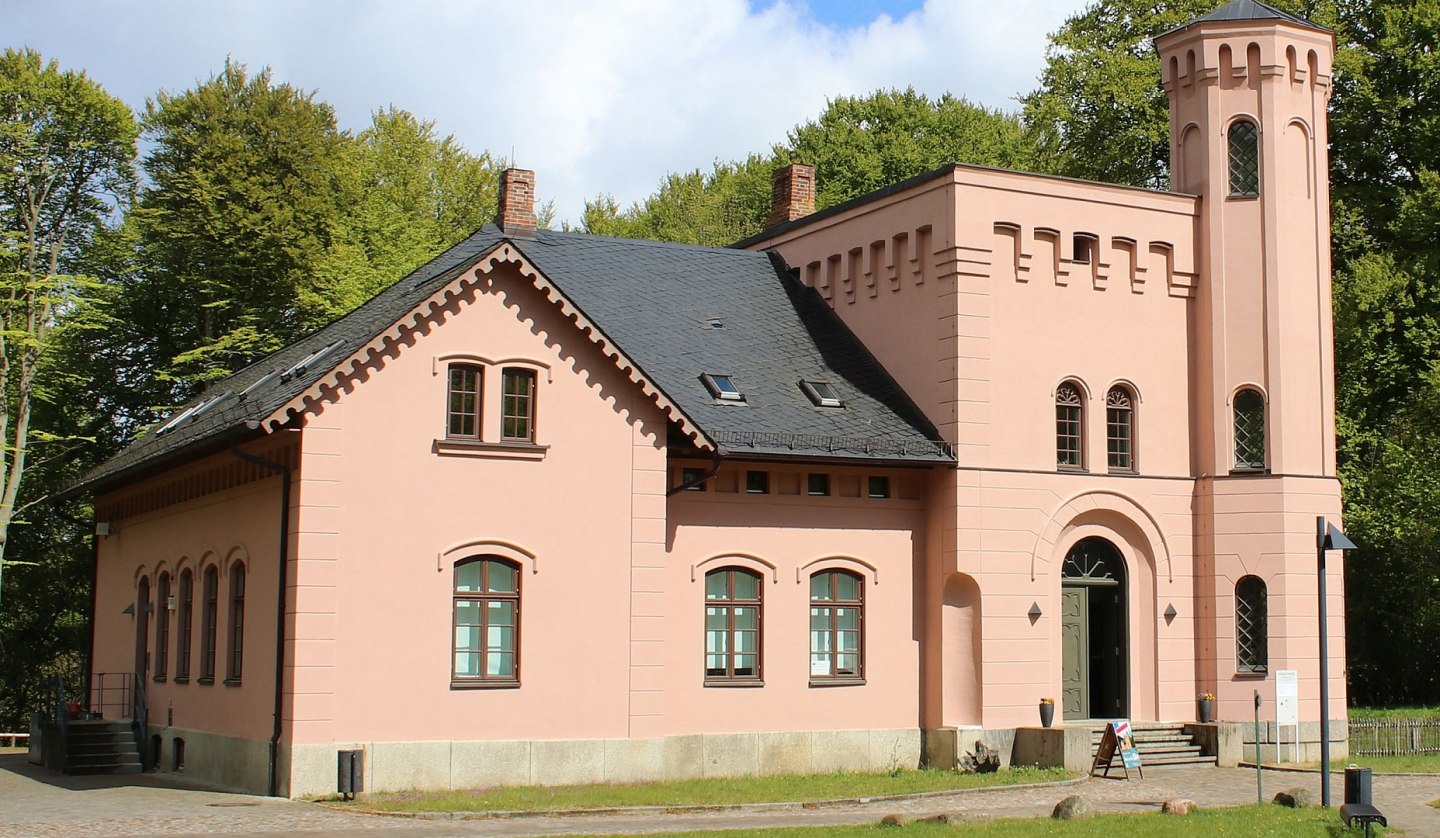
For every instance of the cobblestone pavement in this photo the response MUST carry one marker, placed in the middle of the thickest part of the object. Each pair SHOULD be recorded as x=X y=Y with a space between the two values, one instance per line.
x=37 y=803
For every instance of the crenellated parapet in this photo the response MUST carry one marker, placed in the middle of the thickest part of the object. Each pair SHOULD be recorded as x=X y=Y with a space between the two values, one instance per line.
x=1042 y=254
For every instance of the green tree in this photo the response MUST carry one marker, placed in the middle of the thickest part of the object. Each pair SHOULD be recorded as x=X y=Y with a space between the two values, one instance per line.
x=242 y=203
x=860 y=144
x=67 y=151
x=716 y=209
x=405 y=195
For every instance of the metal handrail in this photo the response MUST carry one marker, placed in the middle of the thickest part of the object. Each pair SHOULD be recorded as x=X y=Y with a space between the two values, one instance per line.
x=62 y=723
x=103 y=689
x=140 y=723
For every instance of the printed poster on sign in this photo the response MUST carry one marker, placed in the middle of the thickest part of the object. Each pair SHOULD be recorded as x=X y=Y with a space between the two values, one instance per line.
x=1125 y=737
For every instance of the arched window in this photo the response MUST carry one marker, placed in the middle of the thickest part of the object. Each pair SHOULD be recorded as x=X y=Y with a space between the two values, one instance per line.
x=1069 y=427
x=162 y=625
x=517 y=408
x=1249 y=430
x=233 y=665
x=1244 y=145
x=732 y=626
x=462 y=418
x=1252 y=645
x=837 y=643
x=210 y=605
x=143 y=607
x=486 y=622
x=1120 y=429
x=187 y=615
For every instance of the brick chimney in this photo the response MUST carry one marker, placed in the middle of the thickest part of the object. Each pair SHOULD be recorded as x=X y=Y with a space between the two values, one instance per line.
x=516 y=216
x=792 y=193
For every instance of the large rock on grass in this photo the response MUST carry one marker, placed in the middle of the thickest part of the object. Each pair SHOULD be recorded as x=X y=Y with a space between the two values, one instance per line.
x=1296 y=798
x=1178 y=806
x=1071 y=807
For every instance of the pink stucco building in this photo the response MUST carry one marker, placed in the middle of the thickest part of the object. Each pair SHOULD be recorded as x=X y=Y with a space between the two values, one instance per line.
x=855 y=493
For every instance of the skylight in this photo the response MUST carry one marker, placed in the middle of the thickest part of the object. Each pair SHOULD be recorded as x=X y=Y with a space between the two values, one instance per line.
x=822 y=394
x=722 y=387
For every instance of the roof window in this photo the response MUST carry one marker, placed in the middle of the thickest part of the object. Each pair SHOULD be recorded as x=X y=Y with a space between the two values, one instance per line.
x=714 y=323
x=822 y=394
x=721 y=387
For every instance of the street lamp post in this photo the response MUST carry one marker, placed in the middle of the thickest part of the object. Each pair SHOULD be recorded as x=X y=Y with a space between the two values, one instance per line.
x=1327 y=537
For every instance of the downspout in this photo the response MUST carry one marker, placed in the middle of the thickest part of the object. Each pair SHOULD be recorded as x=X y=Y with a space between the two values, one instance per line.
x=692 y=483
x=283 y=577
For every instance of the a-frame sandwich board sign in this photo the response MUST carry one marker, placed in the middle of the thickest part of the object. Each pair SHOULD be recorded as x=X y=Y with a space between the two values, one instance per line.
x=1117 y=737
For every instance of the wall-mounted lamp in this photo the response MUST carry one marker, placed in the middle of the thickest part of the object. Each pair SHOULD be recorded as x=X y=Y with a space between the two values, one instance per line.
x=1170 y=613
x=102 y=528
x=129 y=609
x=170 y=603
x=1034 y=613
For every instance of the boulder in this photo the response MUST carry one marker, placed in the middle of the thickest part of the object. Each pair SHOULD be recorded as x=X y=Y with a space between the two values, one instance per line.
x=941 y=819
x=1071 y=807
x=894 y=820
x=1296 y=798
x=983 y=760
x=1178 y=806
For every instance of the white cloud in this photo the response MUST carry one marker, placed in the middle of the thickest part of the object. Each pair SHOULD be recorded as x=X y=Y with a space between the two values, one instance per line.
x=596 y=97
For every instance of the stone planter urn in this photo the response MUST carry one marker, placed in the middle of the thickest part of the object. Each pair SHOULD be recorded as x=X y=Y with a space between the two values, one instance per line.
x=1047 y=712
x=1207 y=708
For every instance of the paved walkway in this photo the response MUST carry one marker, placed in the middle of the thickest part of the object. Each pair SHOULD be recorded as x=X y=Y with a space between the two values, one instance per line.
x=38 y=803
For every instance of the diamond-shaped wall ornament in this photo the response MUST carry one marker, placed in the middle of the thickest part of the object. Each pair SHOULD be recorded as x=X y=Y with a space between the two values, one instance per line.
x=1171 y=613
x=1034 y=612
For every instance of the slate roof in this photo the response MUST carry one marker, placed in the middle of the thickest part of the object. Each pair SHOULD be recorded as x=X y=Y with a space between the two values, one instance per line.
x=654 y=301
x=1248 y=10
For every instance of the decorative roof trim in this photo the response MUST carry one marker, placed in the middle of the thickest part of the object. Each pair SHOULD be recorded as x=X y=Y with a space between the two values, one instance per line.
x=502 y=253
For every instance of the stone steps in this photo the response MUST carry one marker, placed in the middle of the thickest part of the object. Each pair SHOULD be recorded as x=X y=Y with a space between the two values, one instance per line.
x=1158 y=744
x=101 y=747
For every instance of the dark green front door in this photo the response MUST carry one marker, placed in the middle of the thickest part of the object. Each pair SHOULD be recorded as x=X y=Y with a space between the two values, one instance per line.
x=1075 y=640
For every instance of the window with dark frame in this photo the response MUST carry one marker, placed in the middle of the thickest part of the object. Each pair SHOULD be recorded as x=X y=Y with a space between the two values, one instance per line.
x=1252 y=642
x=757 y=482
x=1244 y=152
x=1249 y=430
x=209 y=606
x=143 y=607
x=1069 y=434
x=187 y=614
x=486 y=622
x=462 y=419
x=517 y=408
x=1120 y=429
x=692 y=474
x=818 y=484
x=836 y=626
x=234 y=664
x=162 y=626
x=821 y=394
x=732 y=626
x=1083 y=247
x=879 y=487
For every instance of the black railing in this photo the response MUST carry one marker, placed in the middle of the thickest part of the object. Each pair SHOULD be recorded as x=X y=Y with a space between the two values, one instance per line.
x=141 y=724
x=110 y=694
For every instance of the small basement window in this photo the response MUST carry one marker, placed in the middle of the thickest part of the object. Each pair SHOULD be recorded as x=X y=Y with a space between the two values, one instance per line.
x=688 y=475
x=819 y=484
x=821 y=393
x=757 y=482
x=722 y=387
x=879 y=487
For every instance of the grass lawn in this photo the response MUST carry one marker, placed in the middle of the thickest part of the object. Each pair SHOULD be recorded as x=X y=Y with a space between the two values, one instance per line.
x=1234 y=823
x=1386 y=714
x=1421 y=764
x=711 y=792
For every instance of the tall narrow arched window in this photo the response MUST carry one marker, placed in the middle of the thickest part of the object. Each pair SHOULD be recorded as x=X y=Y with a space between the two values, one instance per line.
x=732 y=626
x=1252 y=645
x=1244 y=148
x=162 y=625
x=837 y=640
x=1249 y=430
x=1069 y=427
x=486 y=623
x=187 y=620
x=210 y=605
x=143 y=607
x=462 y=415
x=1120 y=429
x=233 y=666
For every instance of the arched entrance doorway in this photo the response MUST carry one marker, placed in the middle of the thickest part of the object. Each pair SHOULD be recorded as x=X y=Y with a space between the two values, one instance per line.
x=1092 y=631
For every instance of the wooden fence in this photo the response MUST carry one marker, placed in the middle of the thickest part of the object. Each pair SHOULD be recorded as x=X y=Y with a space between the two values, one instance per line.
x=1394 y=737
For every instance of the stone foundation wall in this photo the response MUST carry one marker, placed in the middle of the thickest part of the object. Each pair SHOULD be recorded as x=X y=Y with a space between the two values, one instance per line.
x=225 y=761
x=1281 y=749
x=392 y=766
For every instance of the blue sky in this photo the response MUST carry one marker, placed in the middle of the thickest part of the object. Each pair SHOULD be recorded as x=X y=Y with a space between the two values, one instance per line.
x=597 y=97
